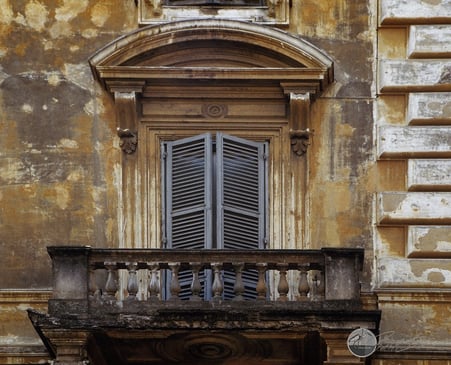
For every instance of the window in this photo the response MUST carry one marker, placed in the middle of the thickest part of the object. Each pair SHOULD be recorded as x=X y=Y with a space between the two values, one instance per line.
x=216 y=2
x=258 y=11
x=215 y=197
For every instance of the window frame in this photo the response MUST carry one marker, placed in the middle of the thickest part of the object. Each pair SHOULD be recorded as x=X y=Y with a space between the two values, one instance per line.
x=270 y=12
x=155 y=133
x=215 y=203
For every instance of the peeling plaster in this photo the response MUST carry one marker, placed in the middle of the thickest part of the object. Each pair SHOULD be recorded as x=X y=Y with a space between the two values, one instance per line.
x=100 y=13
x=36 y=15
x=70 y=9
x=7 y=14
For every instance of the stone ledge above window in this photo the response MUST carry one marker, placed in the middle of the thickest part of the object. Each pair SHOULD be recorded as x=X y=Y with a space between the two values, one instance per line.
x=269 y=12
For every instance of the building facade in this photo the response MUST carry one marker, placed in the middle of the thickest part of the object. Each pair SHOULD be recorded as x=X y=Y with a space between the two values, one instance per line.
x=351 y=100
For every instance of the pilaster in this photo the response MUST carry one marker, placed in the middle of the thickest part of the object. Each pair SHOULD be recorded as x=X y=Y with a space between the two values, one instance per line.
x=126 y=97
x=337 y=349
x=69 y=346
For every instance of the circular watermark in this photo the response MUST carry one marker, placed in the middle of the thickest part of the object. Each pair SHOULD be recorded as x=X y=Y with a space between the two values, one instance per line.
x=362 y=342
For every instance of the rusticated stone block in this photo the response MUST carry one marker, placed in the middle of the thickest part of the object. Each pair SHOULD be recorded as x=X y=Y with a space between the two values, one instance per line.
x=414 y=11
x=429 y=242
x=414 y=142
x=429 y=108
x=429 y=41
x=402 y=272
x=414 y=75
x=414 y=208
x=429 y=175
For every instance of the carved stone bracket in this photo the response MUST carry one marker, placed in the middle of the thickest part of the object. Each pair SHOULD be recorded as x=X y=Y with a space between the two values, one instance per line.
x=125 y=98
x=300 y=141
x=299 y=121
x=129 y=140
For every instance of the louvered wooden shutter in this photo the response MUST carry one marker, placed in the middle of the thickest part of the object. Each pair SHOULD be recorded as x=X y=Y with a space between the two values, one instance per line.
x=241 y=201
x=188 y=197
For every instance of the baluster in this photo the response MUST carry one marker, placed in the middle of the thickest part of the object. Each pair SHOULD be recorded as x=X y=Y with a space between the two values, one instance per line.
x=303 y=287
x=238 y=287
x=217 y=287
x=154 y=282
x=132 y=284
x=283 y=288
x=196 y=287
x=261 y=283
x=175 y=285
x=111 y=282
x=314 y=290
x=93 y=290
x=321 y=285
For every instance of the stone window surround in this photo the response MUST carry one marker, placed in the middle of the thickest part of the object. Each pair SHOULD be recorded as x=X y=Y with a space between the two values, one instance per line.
x=271 y=12
x=129 y=84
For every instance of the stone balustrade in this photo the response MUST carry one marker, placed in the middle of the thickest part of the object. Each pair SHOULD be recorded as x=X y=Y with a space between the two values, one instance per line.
x=84 y=276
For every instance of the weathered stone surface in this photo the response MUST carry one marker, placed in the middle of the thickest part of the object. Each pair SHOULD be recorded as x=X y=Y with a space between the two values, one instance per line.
x=413 y=208
x=414 y=142
x=429 y=41
x=429 y=241
x=410 y=273
x=415 y=319
x=414 y=11
x=427 y=175
x=392 y=43
x=414 y=75
x=429 y=108
x=19 y=343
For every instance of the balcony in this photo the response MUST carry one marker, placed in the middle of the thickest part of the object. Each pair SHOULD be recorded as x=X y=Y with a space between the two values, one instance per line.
x=132 y=306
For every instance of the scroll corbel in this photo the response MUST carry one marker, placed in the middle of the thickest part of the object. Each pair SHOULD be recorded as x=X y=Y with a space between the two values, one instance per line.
x=129 y=140
x=126 y=119
x=299 y=122
x=300 y=140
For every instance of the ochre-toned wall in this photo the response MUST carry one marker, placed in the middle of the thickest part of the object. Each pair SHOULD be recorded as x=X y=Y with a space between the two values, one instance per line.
x=58 y=151
x=60 y=156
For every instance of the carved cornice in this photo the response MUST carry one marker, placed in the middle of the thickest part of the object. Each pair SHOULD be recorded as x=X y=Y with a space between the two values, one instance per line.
x=150 y=56
x=129 y=60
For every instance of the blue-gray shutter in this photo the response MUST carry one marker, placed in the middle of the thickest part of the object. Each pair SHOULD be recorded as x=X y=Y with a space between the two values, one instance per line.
x=188 y=197
x=241 y=194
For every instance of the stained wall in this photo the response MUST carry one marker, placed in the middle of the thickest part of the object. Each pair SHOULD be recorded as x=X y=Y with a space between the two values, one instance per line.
x=378 y=162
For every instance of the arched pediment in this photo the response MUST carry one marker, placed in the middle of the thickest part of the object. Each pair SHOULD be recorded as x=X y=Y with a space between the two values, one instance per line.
x=212 y=49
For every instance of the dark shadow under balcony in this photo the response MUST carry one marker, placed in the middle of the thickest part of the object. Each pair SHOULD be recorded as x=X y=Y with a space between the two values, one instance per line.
x=134 y=306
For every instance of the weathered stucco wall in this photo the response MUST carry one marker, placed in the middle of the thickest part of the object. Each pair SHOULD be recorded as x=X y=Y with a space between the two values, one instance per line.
x=340 y=155
x=58 y=151
x=59 y=156
x=60 y=159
